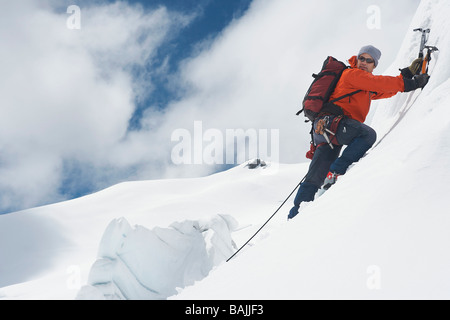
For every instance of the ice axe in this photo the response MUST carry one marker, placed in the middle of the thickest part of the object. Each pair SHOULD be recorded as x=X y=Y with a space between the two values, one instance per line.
x=423 y=40
x=430 y=50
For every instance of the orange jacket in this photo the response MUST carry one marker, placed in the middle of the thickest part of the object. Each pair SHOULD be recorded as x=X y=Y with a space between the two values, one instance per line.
x=373 y=87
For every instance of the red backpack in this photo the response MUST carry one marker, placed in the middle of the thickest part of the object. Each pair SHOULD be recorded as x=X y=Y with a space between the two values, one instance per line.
x=317 y=97
x=318 y=94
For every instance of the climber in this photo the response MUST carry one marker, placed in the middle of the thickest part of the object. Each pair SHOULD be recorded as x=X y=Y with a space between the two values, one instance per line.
x=326 y=165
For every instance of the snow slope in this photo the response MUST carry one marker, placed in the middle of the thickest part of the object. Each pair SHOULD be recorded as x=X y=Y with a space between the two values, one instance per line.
x=380 y=233
x=50 y=252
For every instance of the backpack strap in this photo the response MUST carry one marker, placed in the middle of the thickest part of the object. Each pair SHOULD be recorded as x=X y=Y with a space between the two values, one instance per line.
x=337 y=99
x=345 y=96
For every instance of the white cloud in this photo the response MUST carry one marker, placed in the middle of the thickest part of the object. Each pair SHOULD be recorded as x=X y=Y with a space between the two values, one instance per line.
x=69 y=94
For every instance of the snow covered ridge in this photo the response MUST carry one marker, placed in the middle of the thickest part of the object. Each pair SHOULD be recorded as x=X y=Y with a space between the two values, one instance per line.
x=138 y=263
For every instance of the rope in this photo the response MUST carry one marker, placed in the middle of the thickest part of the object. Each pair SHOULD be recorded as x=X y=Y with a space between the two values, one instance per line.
x=298 y=185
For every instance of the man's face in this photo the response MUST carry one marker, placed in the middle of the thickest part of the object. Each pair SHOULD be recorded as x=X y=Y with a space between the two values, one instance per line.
x=364 y=65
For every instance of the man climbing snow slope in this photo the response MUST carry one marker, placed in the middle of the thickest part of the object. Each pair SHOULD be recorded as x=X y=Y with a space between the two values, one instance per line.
x=350 y=114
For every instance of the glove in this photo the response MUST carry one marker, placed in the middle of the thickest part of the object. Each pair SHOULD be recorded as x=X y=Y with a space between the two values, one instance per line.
x=421 y=80
x=417 y=82
x=413 y=69
x=416 y=66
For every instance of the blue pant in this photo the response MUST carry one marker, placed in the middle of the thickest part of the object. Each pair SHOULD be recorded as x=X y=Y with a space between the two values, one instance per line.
x=356 y=135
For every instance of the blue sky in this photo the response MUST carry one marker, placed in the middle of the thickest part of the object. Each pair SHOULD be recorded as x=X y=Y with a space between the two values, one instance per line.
x=211 y=17
x=85 y=109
